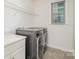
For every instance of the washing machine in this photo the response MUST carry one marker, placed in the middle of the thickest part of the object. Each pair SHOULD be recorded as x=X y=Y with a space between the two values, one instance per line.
x=33 y=42
x=44 y=37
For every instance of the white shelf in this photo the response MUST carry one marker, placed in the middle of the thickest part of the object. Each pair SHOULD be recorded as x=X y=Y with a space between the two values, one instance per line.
x=18 y=8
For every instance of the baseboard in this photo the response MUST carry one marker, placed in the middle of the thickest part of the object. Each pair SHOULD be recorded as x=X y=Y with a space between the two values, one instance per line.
x=65 y=50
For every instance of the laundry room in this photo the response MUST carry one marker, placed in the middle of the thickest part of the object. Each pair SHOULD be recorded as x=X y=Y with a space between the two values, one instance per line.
x=39 y=29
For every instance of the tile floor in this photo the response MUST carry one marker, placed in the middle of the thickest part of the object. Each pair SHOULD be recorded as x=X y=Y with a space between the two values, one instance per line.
x=52 y=53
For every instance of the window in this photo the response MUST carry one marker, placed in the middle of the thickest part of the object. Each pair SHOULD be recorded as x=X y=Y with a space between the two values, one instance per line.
x=57 y=13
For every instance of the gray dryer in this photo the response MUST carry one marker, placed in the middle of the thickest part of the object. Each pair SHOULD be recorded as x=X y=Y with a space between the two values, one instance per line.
x=33 y=42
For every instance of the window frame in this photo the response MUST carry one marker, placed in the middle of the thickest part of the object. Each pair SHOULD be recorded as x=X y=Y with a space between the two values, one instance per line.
x=59 y=23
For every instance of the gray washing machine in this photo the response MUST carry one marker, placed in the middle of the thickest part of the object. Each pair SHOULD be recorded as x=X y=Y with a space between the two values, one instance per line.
x=44 y=36
x=33 y=42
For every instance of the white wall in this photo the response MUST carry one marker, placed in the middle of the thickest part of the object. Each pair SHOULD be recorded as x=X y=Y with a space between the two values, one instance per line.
x=15 y=18
x=60 y=36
